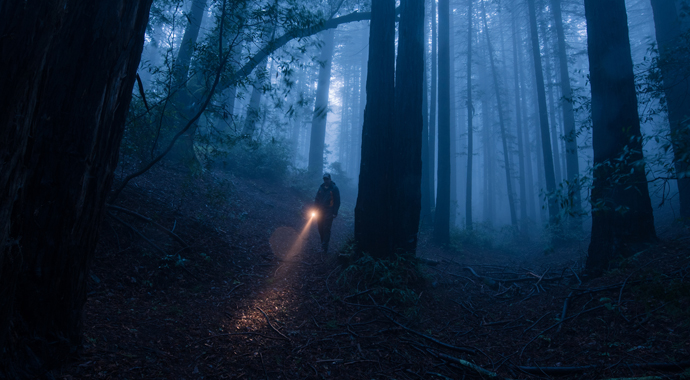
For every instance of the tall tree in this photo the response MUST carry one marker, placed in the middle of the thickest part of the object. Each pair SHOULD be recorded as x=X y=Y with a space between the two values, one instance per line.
x=673 y=64
x=372 y=214
x=433 y=105
x=504 y=138
x=442 y=215
x=571 y=155
x=406 y=157
x=318 y=123
x=543 y=112
x=518 y=123
x=67 y=88
x=621 y=208
x=427 y=194
x=470 y=116
x=182 y=96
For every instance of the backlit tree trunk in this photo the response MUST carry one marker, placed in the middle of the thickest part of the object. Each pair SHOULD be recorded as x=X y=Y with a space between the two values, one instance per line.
x=571 y=155
x=64 y=97
x=504 y=138
x=318 y=122
x=406 y=158
x=673 y=64
x=372 y=214
x=621 y=209
x=442 y=214
x=543 y=113
x=470 y=116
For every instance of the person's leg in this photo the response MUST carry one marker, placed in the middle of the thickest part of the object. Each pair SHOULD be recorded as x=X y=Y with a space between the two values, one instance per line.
x=320 y=223
x=326 y=237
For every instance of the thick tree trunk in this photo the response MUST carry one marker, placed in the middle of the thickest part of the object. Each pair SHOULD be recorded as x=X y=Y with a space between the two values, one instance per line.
x=253 y=110
x=318 y=122
x=183 y=153
x=621 y=208
x=571 y=155
x=674 y=70
x=555 y=140
x=453 y=126
x=426 y=165
x=372 y=214
x=543 y=113
x=406 y=158
x=433 y=104
x=470 y=116
x=64 y=97
x=442 y=215
x=518 y=124
x=504 y=138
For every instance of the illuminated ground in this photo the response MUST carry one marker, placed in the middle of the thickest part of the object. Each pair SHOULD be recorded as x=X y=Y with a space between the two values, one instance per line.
x=253 y=298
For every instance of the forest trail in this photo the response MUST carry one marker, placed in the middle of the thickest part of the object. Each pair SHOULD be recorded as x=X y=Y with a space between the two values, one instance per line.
x=252 y=297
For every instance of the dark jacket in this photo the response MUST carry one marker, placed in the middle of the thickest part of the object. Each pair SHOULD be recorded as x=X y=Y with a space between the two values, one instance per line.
x=328 y=199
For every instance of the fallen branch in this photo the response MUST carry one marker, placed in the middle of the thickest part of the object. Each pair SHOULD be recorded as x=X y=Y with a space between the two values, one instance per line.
x=558 y=323
x=535 y=323
x=442 y=344
x=142 y=217
x=568 y=370
x=269 y=323
x=152 y=244
x=473 y=366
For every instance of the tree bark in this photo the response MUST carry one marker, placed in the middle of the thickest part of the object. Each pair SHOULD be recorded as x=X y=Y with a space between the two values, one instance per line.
x=65 y=95
x=571 y=155
x=442 y=214
x=621 y=209
x=504 y=138
x=543 y=114
x=519 y=127
x=673 y=64
x=470 y=116
x=406 y=158
x=183 y=153
x=318 y=122
x=433 y=104
x=453 y=126
x=372 y=214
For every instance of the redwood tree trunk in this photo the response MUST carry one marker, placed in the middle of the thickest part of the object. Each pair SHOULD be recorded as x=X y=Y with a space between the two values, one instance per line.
x=64 y=97
x=442 y=215
x=504 y=138
x=571 y=156
x=470 y=116
x=318 y=122
x=372 y=216
x=406 y=158
x=621 y=208
x=547 y=154
x=673 y=65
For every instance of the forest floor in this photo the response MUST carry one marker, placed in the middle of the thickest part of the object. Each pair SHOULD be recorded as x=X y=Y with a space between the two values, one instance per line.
x=245 y=293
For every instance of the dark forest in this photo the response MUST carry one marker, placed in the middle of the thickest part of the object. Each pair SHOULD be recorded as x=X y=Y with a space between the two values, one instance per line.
x=345 y=189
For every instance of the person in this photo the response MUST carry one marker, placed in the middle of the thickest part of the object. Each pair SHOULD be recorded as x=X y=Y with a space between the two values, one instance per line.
x=327 y=202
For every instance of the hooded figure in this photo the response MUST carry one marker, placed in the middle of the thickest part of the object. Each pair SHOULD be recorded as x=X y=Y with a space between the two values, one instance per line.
x=327 y=202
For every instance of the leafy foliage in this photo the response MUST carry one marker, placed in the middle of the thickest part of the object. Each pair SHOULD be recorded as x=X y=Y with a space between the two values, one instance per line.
x=391 y=281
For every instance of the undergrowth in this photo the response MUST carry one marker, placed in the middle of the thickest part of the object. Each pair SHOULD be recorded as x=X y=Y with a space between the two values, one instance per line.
x=388 y=281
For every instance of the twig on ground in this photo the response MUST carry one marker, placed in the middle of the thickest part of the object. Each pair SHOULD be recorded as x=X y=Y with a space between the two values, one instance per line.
x=269 y=323
x=465 y=363
x=535 y=323
x=149 y=220
x=427 y=337
x=565 y=309
x=558 y=323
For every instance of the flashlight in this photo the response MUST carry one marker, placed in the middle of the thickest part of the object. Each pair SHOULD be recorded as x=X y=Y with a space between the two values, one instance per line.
x=313 y=214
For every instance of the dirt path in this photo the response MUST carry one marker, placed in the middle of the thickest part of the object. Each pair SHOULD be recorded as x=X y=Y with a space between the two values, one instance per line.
x=253 y=298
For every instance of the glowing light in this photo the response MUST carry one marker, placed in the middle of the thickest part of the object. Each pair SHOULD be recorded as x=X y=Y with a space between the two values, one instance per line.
x=313 y=214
